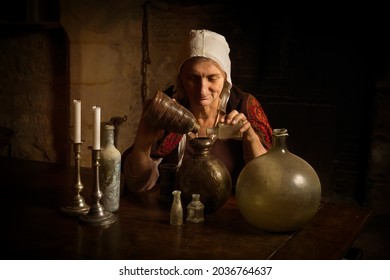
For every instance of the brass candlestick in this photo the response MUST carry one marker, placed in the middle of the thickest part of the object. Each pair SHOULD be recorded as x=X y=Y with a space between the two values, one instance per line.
x=97 y=216
x=78 y=205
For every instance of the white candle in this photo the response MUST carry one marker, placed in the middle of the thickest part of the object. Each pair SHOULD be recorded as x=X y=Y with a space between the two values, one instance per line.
x=77 y=121
x=96 y=128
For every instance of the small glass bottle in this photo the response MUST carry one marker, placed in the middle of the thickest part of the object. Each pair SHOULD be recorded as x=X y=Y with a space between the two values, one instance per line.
x=226 y=131
x=176 y=217
x=195 y=210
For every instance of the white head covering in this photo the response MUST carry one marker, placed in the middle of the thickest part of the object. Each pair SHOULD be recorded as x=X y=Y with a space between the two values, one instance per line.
x=206 y=43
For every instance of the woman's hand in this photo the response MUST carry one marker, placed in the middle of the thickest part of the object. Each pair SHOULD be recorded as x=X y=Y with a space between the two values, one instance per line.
x=234 y=117
x=250 y=137
x=139 y=161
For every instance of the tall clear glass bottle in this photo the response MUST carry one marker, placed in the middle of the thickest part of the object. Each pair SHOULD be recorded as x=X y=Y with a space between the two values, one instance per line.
x=110 y=170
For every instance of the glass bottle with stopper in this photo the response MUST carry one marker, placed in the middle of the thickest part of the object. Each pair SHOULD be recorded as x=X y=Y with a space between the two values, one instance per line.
x=195 y=210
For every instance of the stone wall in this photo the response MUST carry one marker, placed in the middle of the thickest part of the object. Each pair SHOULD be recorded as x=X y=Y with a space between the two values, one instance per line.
x=106 y=55
x=33 y=93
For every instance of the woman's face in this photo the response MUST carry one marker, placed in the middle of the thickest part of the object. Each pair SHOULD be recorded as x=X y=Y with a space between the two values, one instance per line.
x=202 y=80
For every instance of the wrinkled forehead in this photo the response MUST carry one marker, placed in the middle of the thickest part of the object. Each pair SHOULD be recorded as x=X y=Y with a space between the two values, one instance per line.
x=207 y=44
x=192 y=62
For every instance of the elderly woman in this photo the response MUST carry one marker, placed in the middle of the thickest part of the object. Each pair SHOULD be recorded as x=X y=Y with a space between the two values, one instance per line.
x=203 y=86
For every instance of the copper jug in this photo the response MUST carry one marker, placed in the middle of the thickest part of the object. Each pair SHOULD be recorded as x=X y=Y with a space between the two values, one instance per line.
x=206 y=175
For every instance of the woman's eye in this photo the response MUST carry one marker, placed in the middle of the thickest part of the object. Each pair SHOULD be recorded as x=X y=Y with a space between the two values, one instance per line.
x=213 y=78
x=193 y=78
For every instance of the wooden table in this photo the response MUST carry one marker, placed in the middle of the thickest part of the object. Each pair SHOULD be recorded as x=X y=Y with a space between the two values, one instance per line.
x=33 y=192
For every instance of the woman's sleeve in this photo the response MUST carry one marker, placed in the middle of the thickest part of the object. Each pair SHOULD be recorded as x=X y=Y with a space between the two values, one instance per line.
x=144 y=182
x=259 y=121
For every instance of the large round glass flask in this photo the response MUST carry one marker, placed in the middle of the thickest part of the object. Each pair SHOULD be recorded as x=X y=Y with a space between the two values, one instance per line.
x=206 y=175
x=278 y=191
